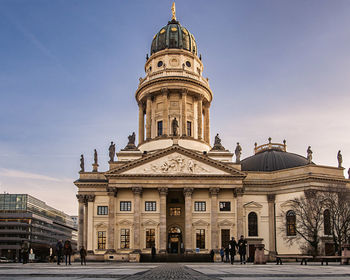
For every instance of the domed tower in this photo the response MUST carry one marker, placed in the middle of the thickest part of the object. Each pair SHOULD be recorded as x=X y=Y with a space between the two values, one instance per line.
x=174 y=98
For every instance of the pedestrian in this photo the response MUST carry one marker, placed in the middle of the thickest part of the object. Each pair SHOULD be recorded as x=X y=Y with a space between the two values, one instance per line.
x=24 y=252
x=82 y=255
x=233 y=246
x=212 y=255
x=222 y=254
x=67 y=250
x=153 y=253
x=242 y=249
x=227 y=253
x=59 y=248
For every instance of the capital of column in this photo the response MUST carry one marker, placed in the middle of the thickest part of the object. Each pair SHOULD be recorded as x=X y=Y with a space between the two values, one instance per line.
x=81 y=198
x=164 y=91
x=238 y=192
x=90 y=198
x=111 y=191
x=184 y=91
x=214 y=190
x=271 y=197
x=137 y=190
x=188 y=192
x=163 y=190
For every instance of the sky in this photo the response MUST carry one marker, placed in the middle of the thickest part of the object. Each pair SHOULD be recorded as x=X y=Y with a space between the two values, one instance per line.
x=69 y=70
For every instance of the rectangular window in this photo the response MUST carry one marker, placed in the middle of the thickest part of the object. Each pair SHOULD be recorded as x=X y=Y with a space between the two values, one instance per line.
x=125 y=238
x=189 y=129
x=175 y=211
x=225 y=237
x=199 y=206
x=125 y=206
x=102 y=210
x=150 y=206
x=150 y=238
x=200 y=238
x=160 y=128
x=101 y=240
x=225 y=206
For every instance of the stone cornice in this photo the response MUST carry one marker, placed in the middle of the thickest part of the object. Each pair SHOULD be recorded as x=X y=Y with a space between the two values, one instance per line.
x=175 y=148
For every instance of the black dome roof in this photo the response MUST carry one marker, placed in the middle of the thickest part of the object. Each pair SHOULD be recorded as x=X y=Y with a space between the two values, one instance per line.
x=272 y=160
x=173 y=36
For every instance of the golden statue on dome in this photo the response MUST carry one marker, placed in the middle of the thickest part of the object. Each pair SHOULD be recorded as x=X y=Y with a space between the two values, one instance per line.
x=173 y=10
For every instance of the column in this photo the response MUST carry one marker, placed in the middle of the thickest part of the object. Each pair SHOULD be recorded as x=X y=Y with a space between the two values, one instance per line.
x=239 y=211
x=148 y=118
x=162 y=223
x=137 y=217
x=206 y=124
x=214 y=218
x=141 y=124
x=85 y=221
x=89 y=224
x=184 y=111
x=272 y=229
x=188 y=219
x=80 y=221
x=165 y=111
x=112 y=194
x=200 y=117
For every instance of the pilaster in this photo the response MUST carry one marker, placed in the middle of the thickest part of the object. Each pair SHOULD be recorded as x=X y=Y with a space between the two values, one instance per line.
x=214 y=217
x=81 y=200
x=165 y=111
x=112 y=194
x=148 y=117
x=238 y=193
x=141 y=124
x=137 y=218
x=162 y=225
x=188 y=219
x=200 y=117
x=272 y=224
x=184 y=111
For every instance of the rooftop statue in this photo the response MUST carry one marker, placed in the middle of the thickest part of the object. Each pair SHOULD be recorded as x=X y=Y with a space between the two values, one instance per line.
x=340 y=159
x=175 y=126
x=238 y=152
x=111 y=151
x=217 y=140
x=131 y=143
x=95 y=156
x=217 y=144
x=82 y=167
x=309 y=154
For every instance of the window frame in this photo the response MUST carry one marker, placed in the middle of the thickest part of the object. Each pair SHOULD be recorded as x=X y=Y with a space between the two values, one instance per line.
x=101 y=240
x=223 y=209
x=125 y=238
x=175 y=211
x=253 y=229
x=327 y=225
x=125 y=206
x=189 y=128
x=200 y=238
x=102 y=210
x=291 y=223
x=152 y=206
x=150 y=237
x=160 y=128
x=200 y=206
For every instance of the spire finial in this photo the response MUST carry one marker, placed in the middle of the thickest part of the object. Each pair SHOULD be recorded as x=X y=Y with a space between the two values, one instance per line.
x=173 y=10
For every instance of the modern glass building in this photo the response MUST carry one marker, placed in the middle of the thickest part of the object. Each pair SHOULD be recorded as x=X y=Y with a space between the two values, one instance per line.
x=26 y=219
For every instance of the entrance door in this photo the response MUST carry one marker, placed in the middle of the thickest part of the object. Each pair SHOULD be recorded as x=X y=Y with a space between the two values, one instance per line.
x=225 y=237
x=174 y=240
x=329 y=249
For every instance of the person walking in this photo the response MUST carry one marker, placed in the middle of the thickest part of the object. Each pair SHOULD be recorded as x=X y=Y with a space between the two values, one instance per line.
x=227 y=254
x=222 y=254
x=67 y=250
x=24 y=252
x=242 y=249
x=82 y=255
x=153 y=253
x=233 y=246
x=59 y=248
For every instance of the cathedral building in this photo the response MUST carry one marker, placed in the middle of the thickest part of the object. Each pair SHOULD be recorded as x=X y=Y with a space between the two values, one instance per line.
x=176 y=192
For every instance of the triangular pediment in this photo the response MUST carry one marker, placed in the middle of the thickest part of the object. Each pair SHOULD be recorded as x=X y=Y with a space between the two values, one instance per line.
x=225 y=222
x=252 y=204
x=150 y=223
x=176 y=161
x=200 y=223
x=101 y=225
x=125 y=223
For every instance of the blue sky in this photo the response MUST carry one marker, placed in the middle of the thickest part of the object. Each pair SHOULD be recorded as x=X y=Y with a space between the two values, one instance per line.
x=69 y=71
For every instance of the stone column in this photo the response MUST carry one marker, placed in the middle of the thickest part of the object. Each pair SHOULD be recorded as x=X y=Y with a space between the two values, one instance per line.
x=200 y=117
x=81 y=200
x=88 y=223
x=206 y=124
x=239 y=211
x=214 y=218
x=162 y=225
x=85 y=222
x=188 y=219
x=137 y=218
x=184 y=111
x=141 y=124
x=165 y=111
x=148 y=118
x=272 y=225
x=112 y=194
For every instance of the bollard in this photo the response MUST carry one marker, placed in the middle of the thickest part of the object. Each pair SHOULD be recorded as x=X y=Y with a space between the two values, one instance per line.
x=259 y=257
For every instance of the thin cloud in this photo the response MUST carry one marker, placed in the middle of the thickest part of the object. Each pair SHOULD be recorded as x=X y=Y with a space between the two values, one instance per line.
x=27 y=175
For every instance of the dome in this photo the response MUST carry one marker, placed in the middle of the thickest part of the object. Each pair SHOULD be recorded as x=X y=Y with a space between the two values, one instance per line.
x=272 y=157
x=173 y=36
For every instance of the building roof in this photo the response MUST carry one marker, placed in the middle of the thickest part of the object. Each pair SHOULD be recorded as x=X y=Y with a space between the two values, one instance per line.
x=173 y=36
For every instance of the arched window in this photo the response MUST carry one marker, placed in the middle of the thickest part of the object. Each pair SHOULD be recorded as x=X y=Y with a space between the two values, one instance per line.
x=291 y=223
x=252 y=224
x=327 y=222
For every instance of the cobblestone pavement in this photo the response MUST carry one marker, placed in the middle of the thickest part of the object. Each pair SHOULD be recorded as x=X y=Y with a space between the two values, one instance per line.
x=173 y=271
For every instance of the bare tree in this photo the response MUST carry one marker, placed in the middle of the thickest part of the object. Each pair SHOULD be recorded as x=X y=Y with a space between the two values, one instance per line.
x=336 y=200
x=308 y=211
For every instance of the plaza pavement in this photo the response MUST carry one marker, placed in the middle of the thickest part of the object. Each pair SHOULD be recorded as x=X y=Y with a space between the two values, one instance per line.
x=168 y=271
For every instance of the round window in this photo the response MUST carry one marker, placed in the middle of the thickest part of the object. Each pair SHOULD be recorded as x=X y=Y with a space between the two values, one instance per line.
x=188 y=64
x=160 y=63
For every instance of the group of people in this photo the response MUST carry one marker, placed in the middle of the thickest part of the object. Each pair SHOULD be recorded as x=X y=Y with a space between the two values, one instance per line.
x=228 y=254
x=65 y=249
